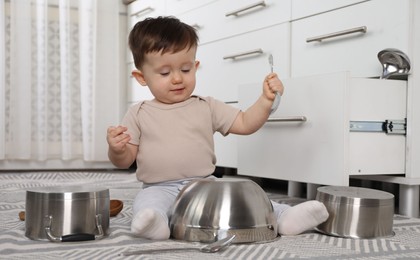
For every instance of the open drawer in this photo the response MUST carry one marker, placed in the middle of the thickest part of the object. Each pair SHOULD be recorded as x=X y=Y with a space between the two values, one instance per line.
x=324 y=130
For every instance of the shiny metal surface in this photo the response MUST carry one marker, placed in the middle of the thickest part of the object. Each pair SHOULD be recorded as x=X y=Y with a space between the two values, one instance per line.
x=394 y=63
x=217 y=246
x=242 y=54
x=361 y=29
x=246 y=8
x=357 y=212
x=209 y=210
x=288 y=119
x=276 y=101
x=67 y=213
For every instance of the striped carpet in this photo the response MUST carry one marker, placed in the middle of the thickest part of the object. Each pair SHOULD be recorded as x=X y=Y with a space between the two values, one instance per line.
x=122 y=185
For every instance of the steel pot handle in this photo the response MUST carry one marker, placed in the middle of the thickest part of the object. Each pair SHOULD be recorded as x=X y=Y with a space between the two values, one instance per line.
x=75 y=237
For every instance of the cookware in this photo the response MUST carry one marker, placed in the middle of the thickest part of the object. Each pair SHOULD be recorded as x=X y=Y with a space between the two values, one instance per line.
x=394 y=62
x=276 y=101
x=211 y=248
x=209 y=210
x=115 y=207
x=70 y=213
x=356 y=212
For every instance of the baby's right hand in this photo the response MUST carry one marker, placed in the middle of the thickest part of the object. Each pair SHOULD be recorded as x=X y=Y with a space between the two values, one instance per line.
x=117 y=138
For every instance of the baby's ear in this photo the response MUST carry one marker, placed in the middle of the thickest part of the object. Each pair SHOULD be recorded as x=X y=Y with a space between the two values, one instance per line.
x=139 y=76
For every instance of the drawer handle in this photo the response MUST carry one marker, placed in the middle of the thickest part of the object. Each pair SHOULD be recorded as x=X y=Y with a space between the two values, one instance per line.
x=287 y=119
x=196 y=26
x=361 y=29
x=142 y=11
x=246 y=8
x=241 y=54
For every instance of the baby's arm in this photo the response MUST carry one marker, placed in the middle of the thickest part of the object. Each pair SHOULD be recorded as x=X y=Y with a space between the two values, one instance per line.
x=121 y=153
x=256 y=115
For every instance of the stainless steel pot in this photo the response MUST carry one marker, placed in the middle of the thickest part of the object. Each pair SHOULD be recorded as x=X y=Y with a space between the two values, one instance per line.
x=356 y=212
x=209 y=210
x=62 y=214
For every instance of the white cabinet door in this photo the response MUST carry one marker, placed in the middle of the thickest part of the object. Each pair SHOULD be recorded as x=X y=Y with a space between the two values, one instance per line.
x=177 y=7
x=322 y=150
x=225 y=18
x=303 y=8
x=387 y=26
x=219 y=76
x=311 y=151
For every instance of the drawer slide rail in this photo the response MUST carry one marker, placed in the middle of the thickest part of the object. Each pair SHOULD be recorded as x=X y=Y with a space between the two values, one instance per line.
x=394 y=127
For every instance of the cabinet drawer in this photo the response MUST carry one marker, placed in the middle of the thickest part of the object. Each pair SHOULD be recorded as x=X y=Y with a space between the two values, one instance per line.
x=303 y=8
x=219 y=76
x=322 y=149
x=355 y=52
x=177 y=7
x=226 y=18
x=141 y=9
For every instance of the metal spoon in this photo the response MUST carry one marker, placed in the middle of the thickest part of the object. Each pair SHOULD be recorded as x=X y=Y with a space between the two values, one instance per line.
x=276 y=101
x=211 y=248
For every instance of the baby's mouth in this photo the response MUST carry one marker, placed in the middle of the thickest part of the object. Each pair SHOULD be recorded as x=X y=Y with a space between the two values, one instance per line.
x=177 y=90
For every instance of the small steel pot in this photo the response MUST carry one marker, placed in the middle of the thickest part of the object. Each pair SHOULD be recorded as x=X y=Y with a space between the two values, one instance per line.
x=62 y=214
x=356 y=212
x=209 y=210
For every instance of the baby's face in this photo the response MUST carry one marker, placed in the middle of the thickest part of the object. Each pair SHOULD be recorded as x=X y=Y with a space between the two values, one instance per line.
x=171 y=76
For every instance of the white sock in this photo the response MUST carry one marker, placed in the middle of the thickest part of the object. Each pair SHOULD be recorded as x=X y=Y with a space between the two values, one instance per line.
x=302 y=217
x=150 y=224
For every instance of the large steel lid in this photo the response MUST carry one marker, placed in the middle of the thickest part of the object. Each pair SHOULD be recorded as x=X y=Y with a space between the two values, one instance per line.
x=68 y=192
x=354 y=196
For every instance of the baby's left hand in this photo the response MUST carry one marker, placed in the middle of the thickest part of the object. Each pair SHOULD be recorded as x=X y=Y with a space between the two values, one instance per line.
x=272 y=84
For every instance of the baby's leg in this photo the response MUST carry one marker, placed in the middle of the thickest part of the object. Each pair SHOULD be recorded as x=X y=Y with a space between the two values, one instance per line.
x=297 y=219
x=148 y=223
x=151 y=208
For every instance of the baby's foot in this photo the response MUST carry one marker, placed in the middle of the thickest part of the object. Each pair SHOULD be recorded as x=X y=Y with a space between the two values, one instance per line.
x=150 y=224
x=302 y=217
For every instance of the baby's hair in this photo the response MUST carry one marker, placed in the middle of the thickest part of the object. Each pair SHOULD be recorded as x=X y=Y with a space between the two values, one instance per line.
x=166 y=34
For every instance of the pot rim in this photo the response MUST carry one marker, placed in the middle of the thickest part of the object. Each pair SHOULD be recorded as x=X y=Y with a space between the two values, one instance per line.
x=68 y=192
x=354 y=196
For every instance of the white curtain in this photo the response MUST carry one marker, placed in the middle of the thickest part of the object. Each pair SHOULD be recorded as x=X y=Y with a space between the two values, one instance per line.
x=60 y=79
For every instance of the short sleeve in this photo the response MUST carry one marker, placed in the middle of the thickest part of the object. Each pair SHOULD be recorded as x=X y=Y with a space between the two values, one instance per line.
x=223 y=115
x=131 y=121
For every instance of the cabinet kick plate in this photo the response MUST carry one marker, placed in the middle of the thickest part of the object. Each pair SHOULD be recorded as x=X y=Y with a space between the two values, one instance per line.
x=396 y=127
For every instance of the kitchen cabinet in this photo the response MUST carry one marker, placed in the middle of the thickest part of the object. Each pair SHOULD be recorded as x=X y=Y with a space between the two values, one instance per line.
x=178 y=7
x=311 y=138
x=229 y=63
x=230 y=18
x=337 y=41
x=330 y=81
x=305 y=8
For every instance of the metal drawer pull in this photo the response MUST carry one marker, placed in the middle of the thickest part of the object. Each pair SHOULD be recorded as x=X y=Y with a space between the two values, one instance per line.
x=287 y=119
x=237 y=55
x=362 y=29
x=246 y=8
x=196 y=26
x=142 y=11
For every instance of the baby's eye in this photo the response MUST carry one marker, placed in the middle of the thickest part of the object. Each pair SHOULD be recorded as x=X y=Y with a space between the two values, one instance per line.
x=164 y=73
x=186 y=70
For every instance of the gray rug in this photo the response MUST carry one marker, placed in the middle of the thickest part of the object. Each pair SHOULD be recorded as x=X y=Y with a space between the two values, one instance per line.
x=14 y=245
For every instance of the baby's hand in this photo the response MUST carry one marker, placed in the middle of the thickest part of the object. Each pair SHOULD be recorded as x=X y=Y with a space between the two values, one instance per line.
x=272 y=84
x=117 y=139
